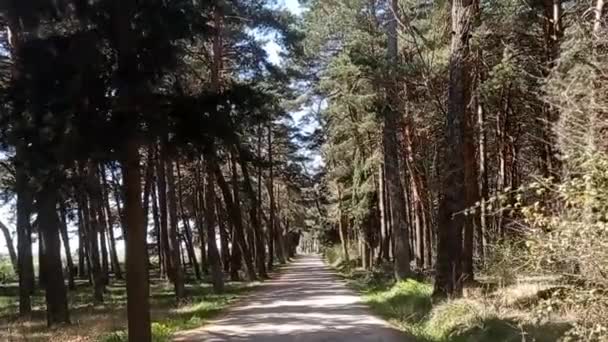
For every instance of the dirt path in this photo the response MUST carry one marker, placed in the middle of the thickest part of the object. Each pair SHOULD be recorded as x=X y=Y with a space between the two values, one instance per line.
x=307 y=303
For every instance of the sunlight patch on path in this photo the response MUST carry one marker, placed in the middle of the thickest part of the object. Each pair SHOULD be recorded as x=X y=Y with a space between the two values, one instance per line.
x=308 y=303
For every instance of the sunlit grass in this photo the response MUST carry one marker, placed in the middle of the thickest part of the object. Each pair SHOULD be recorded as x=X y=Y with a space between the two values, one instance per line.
x=408 y=305
x=107 y=322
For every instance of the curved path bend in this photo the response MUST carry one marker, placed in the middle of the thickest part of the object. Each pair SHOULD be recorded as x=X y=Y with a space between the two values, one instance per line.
x=306 y=303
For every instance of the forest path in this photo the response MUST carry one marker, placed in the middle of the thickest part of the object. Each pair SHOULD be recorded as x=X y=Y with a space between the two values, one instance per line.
x=306 y=303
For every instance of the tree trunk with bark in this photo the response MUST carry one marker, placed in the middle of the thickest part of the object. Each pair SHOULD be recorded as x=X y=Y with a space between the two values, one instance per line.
x=271 y=219
x=138 y=289
x=472 y=219
x=217 y=275
x=93 y=228
x=448 y=278
x=391 y=156
x=81 y=249
x=343 y=230
x=254 y=216
x=63 y=229
x=383 y=254
x=198 y=203
x=158 y=234
x=119 y=199
x=239 y=246
x=236 y=190
x=48 y=225
x=224 y=237
x=553 y=31
x=110 y=221
x=279 y=230
x=168 y=258
x=174 y=244
x=85 y=270
x=186 y=222
x=24 y=243
x=24 y=193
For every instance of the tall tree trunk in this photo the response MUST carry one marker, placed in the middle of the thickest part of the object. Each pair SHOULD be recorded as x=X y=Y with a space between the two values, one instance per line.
x=198 y=204
x=168 y=259
x=383 y=254
x=148 y=185
x=186 y=221
x=482 y=181
x=138 y=288
x=81 y=248
x=25 y=267
x=472 y=219
x=110 y=222
x=391 y=156
x=271 y=220
x=174 y=244
x=41 y=259
x=415 y=187
x=553 y=37
x=260 y=255
x=158 y=234
x=247 y=240
x=63 y=229
x=260 y=209
x=93 y=249
x=89 y=207
x=449 y=250
x=224 y=237
x=83 y=224
x=235 y=216
x=278 y=242
x=119 y=198
x=48 y=225
x=505 y=156
x=97 y=204
x=217 y=275
x=236 y=189
x=342 y=230
x=482 y=176
x=103 y=242
x=24 y=193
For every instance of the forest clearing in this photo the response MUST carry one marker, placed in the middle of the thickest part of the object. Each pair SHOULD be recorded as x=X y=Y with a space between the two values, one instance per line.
x=303 y=170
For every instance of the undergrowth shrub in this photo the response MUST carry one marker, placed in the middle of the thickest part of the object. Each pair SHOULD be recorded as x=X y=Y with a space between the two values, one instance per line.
x=160 y=333
x=7 y=273
x=452 y=316
x=334 y=255
x=505 y=260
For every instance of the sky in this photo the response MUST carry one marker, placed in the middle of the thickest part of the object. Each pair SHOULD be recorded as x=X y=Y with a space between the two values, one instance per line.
x=272 y=48
x=7 y=215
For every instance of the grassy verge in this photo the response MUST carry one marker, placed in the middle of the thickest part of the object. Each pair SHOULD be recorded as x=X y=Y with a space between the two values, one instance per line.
x=493 y=318
x=107 y=322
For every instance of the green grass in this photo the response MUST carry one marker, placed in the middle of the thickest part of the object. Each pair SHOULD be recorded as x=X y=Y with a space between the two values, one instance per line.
x=107 y=322
x=408 y=306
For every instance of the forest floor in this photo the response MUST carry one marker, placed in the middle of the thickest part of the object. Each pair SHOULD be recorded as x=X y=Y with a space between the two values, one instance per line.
x=308 y=302
x=107 y=322
x=513 y=313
